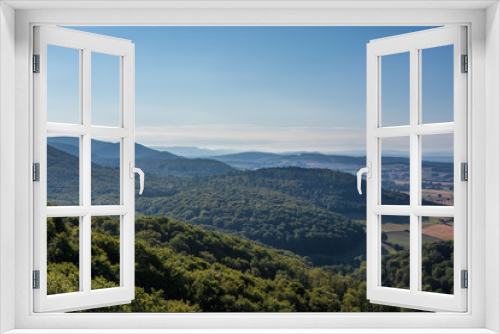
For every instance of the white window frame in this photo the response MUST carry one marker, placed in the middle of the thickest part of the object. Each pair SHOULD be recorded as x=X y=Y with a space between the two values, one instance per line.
x=16 y=125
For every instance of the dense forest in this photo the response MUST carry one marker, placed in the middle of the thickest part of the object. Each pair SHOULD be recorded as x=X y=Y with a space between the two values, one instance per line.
x=311 y=212
x=437 y=268
x=268 y=240
x=182 y=268
x=283 y=207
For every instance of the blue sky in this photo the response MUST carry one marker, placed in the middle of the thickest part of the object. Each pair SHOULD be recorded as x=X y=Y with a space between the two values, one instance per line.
x=254 y=88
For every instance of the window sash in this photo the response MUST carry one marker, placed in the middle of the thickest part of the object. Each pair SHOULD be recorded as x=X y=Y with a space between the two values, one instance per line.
x=86 y=297
x=413 y=43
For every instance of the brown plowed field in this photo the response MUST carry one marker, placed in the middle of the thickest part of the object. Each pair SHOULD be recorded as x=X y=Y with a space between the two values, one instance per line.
x=440 y=231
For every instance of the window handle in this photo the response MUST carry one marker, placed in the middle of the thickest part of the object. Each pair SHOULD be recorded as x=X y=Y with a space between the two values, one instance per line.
x=368 y=171
x=141 y=176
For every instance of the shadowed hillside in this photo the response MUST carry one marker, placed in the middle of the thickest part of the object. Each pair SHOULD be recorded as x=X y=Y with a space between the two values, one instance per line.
x=149 y=160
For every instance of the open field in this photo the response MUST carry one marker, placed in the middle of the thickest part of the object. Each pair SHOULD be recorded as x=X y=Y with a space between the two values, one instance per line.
x=442 y=232
x=401 y=238
x=437 y=180
x=439 y=228
x=434 y=229
x=440 y=196
x=392 y=227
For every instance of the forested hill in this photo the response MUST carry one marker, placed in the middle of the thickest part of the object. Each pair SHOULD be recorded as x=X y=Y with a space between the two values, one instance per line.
x=182 y=268
x=301 y=210
x=332 y=190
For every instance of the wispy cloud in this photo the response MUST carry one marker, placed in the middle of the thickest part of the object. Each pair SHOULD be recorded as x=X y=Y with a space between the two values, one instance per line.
x=248 y=137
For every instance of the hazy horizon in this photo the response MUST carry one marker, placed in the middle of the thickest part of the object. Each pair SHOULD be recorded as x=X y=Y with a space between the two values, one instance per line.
x=190 y=152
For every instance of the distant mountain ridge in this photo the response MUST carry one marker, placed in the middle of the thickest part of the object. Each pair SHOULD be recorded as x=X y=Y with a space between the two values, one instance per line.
x=193 y=151
x=257 y=160
x=149 y=160
x=167 y=163
x=197 y=152
x=102 y=149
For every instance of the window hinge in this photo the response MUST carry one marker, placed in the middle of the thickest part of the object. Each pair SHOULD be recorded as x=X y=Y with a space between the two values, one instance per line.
x=465 y=279
x=36 y=279
x=36 y=63
x=465 y=64
x=36 y=172
x=464 y=171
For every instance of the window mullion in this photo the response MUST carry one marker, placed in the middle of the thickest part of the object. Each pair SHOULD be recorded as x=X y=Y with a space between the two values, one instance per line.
x=415 y=171
x=85 y=176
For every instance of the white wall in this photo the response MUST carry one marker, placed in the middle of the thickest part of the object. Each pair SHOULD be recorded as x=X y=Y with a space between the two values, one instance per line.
x=7 y=160
x=492 y=166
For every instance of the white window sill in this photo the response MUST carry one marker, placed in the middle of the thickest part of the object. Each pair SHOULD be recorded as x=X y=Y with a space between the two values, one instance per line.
x=251 y=331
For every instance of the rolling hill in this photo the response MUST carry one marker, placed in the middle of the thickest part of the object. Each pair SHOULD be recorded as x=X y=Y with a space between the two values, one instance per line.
x=149 y=160
x=312 y=212
x=302 y=210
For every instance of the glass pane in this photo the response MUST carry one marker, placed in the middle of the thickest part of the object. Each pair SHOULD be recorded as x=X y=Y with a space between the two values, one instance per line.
x=437 y=84
x=105 y=252
x=106 y=171
x=63 y=85
x=395 y=89
x=63 y=171
x=437 y=169
x=63 y=255
x=395 y=238
x=105 y=90
x=395 y=170
x=437 y=254
x=395 y=251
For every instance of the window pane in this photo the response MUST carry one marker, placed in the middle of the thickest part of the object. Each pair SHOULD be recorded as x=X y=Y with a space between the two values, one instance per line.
x=437 y=169
x=437 y=254
x=395 y=89
x=395 y=170
x=63 y=255
x=105 y=252
x=105 y=90
x=63 y=171
x=106 y=157
x=63 y=85
x=395 y=238
x=437 y=84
